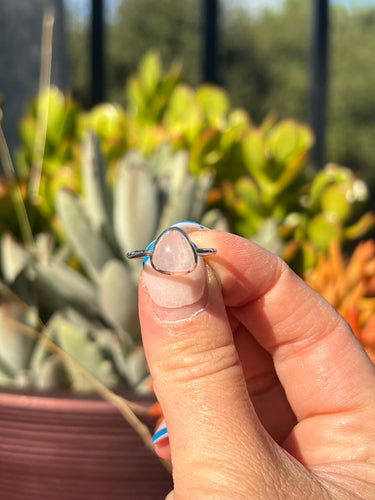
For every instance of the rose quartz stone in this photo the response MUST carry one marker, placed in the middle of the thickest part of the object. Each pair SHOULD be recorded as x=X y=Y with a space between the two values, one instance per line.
x=173 y=253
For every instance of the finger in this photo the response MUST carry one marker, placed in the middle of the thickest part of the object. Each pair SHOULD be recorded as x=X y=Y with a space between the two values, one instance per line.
x=213 y=429
x=265 y=390
x=320 y=363
x=266 y=393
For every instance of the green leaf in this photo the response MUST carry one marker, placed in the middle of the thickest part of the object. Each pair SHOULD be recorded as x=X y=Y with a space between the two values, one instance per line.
x=253 y=150
x=362 y=226
x=107 y=120
x=215 y=104
x=118 y=297
x=58 y=286
x=287 y=139
x=90 y=245
x=130 y=364
x=136 y=366
x=203 y=183
x=135 y=204
x=51 y=102
x=27 y=129
x=14 y=258
x=184 y=115
x=322 y=229
x=86 y=353
x=179 y=190
x=15 y=345
x=150 y=72
x=335 y=200
x=96 y=193
x=135 y=98
x=254 y=153
x=207 y=153
x=215 y=219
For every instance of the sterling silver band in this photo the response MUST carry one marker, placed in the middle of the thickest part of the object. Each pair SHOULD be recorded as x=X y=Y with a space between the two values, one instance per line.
x=157 y=244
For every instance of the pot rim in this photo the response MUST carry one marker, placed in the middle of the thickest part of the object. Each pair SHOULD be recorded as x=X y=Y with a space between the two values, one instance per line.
x=80 y=402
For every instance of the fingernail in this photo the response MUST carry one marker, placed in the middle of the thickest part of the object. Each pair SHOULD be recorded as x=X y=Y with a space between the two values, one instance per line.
x=171 y=291
x=176 y=294
x=160 y=433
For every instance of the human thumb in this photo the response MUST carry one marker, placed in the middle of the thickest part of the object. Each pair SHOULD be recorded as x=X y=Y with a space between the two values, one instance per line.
x=214 y=434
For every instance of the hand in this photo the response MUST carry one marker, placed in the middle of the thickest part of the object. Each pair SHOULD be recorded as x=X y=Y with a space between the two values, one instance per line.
x=266 y=392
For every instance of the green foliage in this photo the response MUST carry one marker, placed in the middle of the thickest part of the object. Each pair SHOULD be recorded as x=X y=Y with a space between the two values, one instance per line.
x=282 y=203
x=275 y=160
x=92 y=316
x=265 y=67
x=261 y=173
x=331 y=208
x=61 y=114
x=263 y=63
x=169 y=153
x=160 y=109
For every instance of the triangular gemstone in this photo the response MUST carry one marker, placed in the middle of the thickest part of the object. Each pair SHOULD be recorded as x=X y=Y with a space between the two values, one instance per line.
x=173 y=252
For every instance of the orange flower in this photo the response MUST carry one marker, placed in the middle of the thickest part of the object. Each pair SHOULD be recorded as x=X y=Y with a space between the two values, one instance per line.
x=350 y=287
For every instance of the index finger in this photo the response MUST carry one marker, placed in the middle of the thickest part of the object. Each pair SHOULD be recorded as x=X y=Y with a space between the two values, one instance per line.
x=319 y=361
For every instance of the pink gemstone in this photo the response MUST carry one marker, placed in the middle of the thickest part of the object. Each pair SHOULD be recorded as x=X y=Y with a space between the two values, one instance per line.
x=173 y=253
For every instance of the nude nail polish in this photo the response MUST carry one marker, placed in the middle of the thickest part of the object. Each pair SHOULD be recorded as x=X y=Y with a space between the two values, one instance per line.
x=176 y=291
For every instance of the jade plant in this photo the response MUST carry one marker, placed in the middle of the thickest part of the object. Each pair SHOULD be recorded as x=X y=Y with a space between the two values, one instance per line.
x=90 y=309
x=330 y=208
x=283 y=203
x=262 y=176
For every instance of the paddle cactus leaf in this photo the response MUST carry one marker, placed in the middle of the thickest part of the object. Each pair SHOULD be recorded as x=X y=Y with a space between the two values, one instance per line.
x=59 y=286
x=15 y=345
x=90 y=245
x=136 y=366
x=83 y=350
x=135 y=204
x=130 y=364
x=13 y=258
x=118 y=297
x=93 y=315
x=97 y=196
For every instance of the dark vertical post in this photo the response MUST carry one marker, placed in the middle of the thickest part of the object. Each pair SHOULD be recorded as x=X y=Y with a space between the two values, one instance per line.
x=210 y=36
x=318 y=90
x=97 y=52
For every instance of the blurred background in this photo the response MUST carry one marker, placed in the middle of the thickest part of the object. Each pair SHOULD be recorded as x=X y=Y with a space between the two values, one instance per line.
x=263 y=59
x=132 y=136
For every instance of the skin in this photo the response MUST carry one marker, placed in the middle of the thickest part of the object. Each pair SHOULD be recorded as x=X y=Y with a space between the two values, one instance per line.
x=265 y=390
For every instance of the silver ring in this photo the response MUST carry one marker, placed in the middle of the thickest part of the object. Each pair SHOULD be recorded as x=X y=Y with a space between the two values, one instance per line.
x=163 y=256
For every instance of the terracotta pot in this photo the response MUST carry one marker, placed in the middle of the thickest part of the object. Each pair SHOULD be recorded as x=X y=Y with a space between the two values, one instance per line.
x=73 y=449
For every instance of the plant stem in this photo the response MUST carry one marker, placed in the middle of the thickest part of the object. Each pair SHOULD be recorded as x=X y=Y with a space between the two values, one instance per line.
x=17 y=199
x=42 y=112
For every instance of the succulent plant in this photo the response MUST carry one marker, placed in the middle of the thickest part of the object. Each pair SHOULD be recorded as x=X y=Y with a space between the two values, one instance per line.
x=262 y=176
x=61 y=114
x=349 y=285
x=92 y=315
x=329 y=208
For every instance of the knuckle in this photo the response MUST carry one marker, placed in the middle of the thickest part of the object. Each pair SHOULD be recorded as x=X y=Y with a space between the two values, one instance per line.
x=188 y=361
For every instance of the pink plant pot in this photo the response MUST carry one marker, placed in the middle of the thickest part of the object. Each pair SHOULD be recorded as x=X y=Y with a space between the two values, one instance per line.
x=54 y=448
